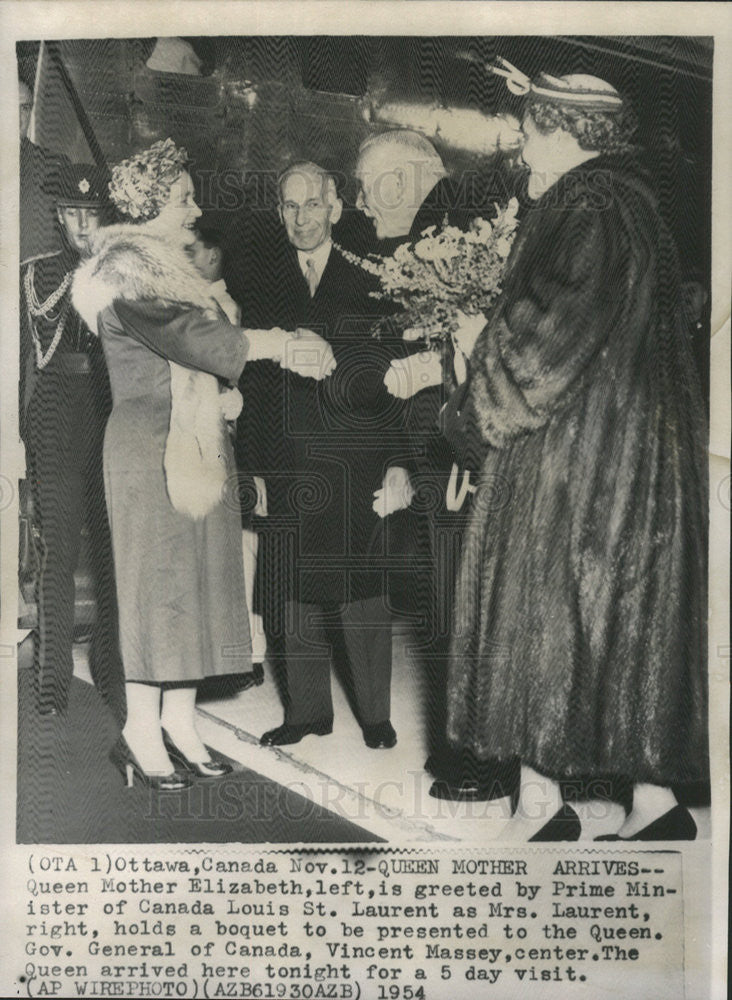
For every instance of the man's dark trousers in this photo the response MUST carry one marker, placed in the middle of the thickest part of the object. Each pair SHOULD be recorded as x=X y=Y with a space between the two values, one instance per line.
x=65 y=427
x=366 y=630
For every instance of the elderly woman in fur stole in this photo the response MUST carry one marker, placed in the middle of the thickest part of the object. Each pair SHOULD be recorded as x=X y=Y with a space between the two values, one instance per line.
x=173 y=358
x=580 y=602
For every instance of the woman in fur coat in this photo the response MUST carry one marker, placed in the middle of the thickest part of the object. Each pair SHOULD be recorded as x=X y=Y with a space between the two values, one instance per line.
x=579 y=643
x=170 y=483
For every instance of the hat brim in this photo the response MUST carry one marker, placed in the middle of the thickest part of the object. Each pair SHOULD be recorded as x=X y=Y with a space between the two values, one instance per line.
x=589 y=100
x=79 y=202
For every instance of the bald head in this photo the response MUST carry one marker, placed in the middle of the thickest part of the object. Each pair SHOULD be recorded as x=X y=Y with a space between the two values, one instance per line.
x=403 y=145
x=309 y=204
x=25 y=106
x=308 y=173
x=396 y=171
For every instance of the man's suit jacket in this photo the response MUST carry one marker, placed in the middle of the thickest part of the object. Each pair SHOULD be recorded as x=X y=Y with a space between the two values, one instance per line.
x=323 y=447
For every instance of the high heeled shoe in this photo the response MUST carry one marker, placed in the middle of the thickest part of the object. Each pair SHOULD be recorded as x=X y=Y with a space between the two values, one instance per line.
x=676 y=824
x=126 y=762
x=202 y=768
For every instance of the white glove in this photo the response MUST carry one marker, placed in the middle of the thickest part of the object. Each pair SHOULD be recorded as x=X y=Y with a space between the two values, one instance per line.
x=230 y=402
x=260 y=508
x=464 y=338
x=468 y=331
x=407 y=376
x=395 y=494
x=308 y=354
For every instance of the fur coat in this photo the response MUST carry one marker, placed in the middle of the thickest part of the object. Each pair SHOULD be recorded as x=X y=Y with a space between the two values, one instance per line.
x=137 y=264
x=580 y=604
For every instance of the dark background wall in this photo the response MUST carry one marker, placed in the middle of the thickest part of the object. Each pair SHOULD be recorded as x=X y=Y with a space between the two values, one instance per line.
x=263 y=101
x=266 y=100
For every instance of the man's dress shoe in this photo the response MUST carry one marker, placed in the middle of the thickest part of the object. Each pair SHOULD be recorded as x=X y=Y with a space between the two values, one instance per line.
x=253 y=678
x=380 y=736
x=287 y=734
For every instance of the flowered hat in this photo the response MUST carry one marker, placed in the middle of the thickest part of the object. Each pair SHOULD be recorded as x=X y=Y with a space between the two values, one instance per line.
x=141 y=185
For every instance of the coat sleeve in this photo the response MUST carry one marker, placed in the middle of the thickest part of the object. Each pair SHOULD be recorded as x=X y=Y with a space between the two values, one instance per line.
x=363 y=366
x=186 y=335
x=557 y=312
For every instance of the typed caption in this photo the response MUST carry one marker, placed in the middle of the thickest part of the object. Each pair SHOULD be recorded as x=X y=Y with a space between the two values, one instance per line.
x=391 y=925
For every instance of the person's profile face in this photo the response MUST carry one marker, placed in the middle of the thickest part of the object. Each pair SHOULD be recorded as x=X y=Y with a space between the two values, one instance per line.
x=307 y=209
x=79 y=223
x=545 y=154
x=366 y=201
x=180 y=210
x=529 y=132
x=380 y=194
x=206 y=260
x=539 y=148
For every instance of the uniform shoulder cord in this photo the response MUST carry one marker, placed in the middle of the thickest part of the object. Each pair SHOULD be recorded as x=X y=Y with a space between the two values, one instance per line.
x=45 y=309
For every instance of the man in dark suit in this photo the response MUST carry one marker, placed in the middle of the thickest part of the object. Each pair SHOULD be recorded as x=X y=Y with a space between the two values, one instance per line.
x=404 y=188
x=333 y=465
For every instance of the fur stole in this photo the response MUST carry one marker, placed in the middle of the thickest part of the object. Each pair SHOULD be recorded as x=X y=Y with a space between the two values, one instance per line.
x=133 y=263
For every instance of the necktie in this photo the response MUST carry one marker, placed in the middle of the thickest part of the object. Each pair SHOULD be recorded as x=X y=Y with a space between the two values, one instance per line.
x=311 y=276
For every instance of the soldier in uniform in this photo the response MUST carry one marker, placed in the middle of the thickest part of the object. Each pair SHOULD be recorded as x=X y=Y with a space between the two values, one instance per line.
x=65 y=404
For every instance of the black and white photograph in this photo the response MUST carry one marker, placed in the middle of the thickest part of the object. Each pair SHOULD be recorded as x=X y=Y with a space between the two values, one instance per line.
x=365 y=480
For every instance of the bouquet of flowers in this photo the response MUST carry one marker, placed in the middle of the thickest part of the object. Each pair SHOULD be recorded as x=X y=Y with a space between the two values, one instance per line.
x=445 y=276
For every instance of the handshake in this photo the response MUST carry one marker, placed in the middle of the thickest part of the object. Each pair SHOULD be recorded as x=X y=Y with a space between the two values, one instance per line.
x=306 y=353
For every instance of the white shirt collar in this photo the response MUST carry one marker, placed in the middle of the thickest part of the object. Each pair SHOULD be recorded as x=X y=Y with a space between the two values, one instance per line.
x=319 y=258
